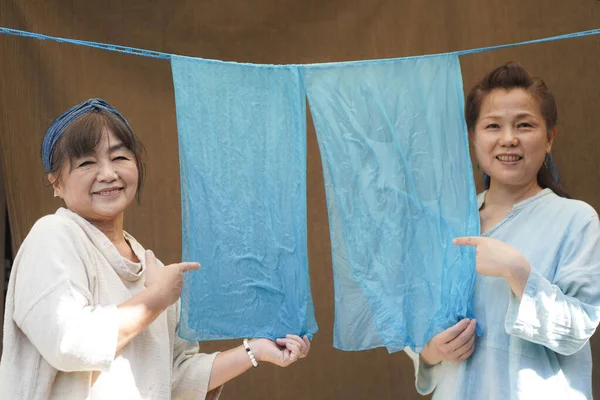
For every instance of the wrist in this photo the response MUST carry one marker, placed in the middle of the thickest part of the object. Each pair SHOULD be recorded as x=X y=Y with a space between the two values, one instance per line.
x=155 y=299
x=257 y=349
x=428 y=357
x=518 y=270
x=517 y=279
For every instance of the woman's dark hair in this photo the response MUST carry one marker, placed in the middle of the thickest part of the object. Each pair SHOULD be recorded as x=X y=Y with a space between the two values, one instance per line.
x=514 y=76
x=84 y=134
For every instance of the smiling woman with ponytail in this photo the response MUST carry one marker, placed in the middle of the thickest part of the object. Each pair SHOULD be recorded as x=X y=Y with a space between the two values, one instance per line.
x=537 y=296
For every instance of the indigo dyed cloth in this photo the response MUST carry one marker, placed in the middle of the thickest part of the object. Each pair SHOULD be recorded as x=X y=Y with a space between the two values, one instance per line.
x=399 y=185
x=242 y=148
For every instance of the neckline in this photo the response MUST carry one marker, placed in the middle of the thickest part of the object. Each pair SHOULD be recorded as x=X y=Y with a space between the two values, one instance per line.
x=520 y=204
x=515 y=208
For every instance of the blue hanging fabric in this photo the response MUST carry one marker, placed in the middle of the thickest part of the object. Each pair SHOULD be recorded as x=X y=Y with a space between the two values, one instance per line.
x=242 y=150
x=399 y=186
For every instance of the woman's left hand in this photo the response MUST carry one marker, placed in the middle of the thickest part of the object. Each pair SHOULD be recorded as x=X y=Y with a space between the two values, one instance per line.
x=493 y=257
x=283 y=352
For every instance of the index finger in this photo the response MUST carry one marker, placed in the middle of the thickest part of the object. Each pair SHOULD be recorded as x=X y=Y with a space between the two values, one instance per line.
x=467 y=241
x=298 y=340
x=454 y=331
x=189 y=266
x=306 y=341
x=295 y=337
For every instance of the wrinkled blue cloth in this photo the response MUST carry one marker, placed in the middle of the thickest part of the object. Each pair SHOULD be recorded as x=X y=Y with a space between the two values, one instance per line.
x=399 y=188
x=242 y=149
x=60 y=124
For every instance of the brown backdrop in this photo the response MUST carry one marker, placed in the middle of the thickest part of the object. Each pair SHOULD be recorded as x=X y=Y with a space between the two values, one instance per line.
x=40 y=79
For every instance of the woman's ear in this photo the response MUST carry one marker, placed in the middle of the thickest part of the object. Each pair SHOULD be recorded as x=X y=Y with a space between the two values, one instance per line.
x=54 y=181
x=471 y=133
x=551 y=137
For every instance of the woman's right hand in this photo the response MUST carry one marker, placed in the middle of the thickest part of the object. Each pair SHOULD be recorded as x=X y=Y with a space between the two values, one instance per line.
x=283 y=351
x=167 y=282
x=455 y=344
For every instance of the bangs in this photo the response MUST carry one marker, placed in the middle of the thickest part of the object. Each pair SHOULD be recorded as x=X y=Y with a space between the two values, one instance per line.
x=84 y=135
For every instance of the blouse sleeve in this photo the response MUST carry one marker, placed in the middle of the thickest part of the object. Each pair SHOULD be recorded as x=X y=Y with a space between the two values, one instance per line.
x=426 y=377
x=191 y=370
x=53 y=301
x=562 y=314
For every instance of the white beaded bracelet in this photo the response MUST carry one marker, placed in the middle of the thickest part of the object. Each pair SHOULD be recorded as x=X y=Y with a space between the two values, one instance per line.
x=249 y=351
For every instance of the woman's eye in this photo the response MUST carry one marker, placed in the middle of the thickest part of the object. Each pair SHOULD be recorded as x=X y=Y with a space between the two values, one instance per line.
x=524 y=125
x=492 y=126
x=85 y=163
x=120 y=158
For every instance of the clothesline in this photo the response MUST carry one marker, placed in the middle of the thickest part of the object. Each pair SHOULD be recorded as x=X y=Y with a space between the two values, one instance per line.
x=167 y=56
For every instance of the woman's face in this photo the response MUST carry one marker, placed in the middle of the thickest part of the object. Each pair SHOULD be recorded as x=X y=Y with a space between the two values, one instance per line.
x=101 y=185
x=510 y=137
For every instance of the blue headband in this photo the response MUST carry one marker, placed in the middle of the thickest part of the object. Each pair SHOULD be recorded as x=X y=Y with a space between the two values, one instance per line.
x=61 y=123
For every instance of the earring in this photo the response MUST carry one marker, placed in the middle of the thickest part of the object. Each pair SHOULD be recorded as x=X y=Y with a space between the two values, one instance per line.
x=55 y=194
x=546 y=161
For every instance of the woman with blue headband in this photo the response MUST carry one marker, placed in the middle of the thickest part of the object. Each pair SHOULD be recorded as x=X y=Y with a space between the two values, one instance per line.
x=91 y=314
x=537 y=293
